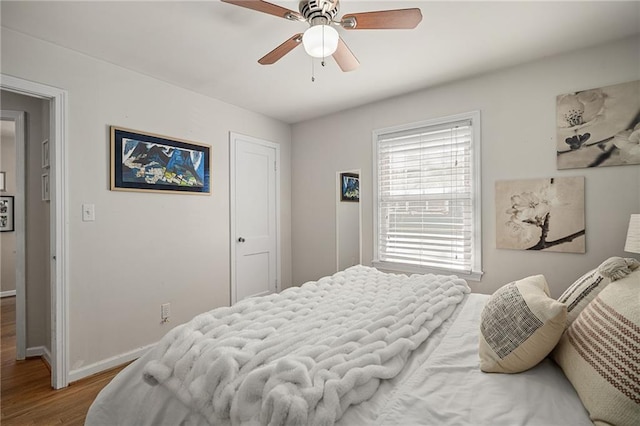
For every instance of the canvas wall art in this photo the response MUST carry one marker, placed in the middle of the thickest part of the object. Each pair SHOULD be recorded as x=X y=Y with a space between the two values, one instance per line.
x=599 y=127
x=349 y=187
x=541 y=214
x=149 y=162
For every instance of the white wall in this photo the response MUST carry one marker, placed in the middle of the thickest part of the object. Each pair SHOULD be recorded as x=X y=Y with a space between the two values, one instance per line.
x=143 y=249
x=348 y=235
x=518 y=142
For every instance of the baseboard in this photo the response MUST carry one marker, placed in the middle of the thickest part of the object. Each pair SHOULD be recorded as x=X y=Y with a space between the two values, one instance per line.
x=7 y=293
x=37 y=351
x=115 y=361
x=46 y=356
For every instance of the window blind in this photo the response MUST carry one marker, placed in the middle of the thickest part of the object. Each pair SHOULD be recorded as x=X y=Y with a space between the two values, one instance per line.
x=425 y=196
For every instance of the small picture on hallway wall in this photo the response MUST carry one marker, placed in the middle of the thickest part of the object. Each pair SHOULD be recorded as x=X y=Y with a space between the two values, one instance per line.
x=46 y=194
x=599 y=127
x=6 y=214
x=45 y=154
x=541 y=214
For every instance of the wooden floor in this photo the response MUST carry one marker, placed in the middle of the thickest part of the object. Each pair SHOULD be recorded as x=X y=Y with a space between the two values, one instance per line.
x=26 y=396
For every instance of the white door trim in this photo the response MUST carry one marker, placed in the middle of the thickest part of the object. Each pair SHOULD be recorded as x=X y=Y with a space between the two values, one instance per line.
x=18 y=117
x=233 y=138
x=58 y=218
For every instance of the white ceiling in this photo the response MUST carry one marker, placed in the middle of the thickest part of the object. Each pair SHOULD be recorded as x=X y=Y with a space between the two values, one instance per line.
x=212 y=47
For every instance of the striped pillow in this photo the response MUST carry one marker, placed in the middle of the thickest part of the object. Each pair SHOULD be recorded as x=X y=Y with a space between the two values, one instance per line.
x=519 y=326
x=587 y=287
x=600 y=353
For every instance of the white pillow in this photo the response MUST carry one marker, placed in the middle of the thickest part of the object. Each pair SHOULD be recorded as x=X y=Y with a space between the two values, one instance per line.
x=519 y=326
x=600 y=354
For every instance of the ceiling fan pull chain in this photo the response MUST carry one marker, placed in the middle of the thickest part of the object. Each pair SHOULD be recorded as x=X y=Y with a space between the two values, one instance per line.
x=323 y=47
x=313 y=74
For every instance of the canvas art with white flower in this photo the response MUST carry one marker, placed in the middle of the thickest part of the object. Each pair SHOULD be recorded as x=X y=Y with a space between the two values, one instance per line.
x=599 y=127
x=541 y=214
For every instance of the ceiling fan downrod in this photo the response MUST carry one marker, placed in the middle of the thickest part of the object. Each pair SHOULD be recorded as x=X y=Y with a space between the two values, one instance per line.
x=312 y=9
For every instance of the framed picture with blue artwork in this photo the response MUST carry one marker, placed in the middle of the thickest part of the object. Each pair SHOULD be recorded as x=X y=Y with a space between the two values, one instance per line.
x=143 y=161
x=349 y=187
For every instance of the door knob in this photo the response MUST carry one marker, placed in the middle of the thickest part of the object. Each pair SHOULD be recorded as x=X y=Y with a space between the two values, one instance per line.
x=241 y=240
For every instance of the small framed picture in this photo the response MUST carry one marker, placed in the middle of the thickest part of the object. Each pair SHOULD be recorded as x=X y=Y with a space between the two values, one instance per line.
x=3 y=181
x=349 y=187
x=6 y=214
x=45 y=154
x=45 y=187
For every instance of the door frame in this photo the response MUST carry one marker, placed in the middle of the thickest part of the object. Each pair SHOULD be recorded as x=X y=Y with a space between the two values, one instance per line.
x=58 y=248
x=19 y=120
x=233 y=139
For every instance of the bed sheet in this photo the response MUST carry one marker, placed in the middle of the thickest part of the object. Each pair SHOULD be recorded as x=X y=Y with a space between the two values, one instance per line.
x=450 y=388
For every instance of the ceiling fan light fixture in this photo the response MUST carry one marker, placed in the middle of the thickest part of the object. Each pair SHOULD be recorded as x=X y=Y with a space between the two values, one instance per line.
x=320 y=41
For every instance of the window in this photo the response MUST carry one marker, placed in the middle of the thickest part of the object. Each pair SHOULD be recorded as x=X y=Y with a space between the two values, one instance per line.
x=427 y=197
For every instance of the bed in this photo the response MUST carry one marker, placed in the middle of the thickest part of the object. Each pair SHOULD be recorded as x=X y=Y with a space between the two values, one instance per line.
x=361 y=347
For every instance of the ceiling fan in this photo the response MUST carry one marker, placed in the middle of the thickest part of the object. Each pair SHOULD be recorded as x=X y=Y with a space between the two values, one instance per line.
x=321 y=39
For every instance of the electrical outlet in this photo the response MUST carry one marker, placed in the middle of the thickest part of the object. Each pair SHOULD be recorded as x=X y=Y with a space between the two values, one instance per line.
x=165 y=312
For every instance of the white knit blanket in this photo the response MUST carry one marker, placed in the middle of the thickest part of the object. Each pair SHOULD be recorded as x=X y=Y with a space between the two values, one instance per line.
x=303 y=356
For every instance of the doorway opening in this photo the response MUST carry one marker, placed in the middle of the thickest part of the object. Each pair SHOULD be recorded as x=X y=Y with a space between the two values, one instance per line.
x=57 y=248
x=13 y=127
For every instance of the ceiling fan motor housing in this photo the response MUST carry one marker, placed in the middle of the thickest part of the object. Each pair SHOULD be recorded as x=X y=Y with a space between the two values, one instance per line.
x=314 y=9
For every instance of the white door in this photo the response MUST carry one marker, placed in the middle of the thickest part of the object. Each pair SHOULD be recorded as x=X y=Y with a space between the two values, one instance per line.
x=254 y=217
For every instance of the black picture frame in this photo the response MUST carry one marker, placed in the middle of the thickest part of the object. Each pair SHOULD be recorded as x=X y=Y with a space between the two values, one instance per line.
x=349 y=187
x=149 y=162
x=7 y=212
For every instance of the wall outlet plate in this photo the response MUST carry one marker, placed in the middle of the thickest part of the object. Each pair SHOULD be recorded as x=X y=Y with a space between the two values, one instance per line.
x=165 y=311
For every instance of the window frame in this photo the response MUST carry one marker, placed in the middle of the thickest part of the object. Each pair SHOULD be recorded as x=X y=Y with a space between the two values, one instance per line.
x=476 y=247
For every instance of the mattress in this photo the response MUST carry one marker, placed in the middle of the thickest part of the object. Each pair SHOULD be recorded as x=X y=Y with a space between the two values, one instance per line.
x=440 y=384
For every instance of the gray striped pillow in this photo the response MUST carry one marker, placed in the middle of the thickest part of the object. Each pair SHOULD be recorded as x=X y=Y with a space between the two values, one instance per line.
x=600 y=353
x=587 y=287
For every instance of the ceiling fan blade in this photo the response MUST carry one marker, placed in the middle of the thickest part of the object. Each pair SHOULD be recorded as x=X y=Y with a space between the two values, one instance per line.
x=385 y=19
x=277 y=53
x=345 y=58
x=271 y=9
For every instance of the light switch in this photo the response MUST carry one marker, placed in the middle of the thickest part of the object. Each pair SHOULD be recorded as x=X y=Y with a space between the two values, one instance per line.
x=88 y=212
